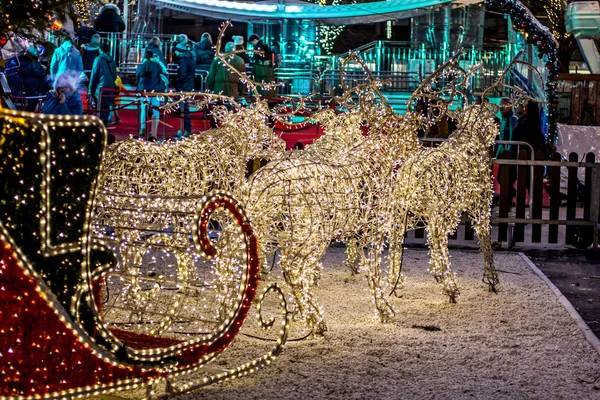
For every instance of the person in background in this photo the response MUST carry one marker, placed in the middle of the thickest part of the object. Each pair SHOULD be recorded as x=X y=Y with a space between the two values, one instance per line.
x=154 y=46
x=263 y=64
x=222 y=80
x=84 y=34
x=103 y=76
x=238 y=41
x=32 y=74
x=109 y=19
x=66 y=58
x=186 y=74
x=152 y=77
x=90 y=52
x=64 y=98
x=204 y=52
x=529 y=127
x=119 y=85
x=277 y=57
x=508 y=123
x=529 y=130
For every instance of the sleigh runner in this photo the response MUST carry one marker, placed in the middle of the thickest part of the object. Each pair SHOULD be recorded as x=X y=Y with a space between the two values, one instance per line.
x=63 y=335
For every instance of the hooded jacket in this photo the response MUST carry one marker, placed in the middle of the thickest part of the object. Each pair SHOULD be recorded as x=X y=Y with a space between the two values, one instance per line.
x=157 y=53
x=221 y=80
x=204 y=53
x=72 y=105
x=90 y=52
x=109 y=19
x=187 y=68
x=32 y=74
x=150 y=75
x=66 y=58
x=104 y=74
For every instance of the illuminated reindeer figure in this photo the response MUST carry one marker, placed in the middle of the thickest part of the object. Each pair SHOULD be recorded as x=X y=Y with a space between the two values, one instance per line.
x=302 y=201
x=435 y=186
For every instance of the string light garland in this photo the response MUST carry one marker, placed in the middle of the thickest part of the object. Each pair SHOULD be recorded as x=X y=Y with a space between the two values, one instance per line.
x=60 y=339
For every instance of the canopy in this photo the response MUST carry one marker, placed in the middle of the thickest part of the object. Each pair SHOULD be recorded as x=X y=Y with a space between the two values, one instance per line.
x=363 y=13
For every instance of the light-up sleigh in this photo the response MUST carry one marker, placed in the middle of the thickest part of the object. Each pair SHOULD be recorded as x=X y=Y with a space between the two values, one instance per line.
x=96 y=309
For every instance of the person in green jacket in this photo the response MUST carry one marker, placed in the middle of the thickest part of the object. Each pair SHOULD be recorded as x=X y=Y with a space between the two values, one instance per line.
x=221 y=79
x=103 y=76
x=263 y=67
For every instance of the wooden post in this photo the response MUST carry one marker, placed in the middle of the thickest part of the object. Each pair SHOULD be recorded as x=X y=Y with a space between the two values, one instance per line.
x=571 y=198
x=536 y=198
x=589 y=158
x=505 y=196
x=595 y=202
x=522 y=172
x=554 y=199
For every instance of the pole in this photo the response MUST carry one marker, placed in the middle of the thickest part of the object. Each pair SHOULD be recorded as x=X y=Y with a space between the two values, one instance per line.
x=125 y=51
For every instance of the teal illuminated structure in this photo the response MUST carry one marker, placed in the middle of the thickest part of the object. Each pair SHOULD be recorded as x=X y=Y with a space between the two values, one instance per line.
x=438 y=29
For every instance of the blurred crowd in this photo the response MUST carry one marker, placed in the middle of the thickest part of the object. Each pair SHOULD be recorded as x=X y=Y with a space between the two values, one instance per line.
x=83 y=67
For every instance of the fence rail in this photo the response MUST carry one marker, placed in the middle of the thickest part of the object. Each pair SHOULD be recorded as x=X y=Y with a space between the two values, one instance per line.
x=542 y=211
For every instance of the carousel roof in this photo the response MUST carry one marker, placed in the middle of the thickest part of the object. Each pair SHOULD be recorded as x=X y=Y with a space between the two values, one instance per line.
x=362 y=13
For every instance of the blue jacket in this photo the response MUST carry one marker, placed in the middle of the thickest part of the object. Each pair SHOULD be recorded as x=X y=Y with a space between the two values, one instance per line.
x=32 y=74
x=66 y=58
x=151 y=75
x=71 y=106
x=187 y=69
x=157 y=53
x=90 y=52
x=104 y=74
x=204 y=53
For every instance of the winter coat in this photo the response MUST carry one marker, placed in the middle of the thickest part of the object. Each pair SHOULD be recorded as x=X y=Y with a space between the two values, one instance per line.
x=109 y=19
x=528 y=130
x=244 y=55
x=90 y=52
x=66 y=58
x=187 y=70
x=84 y=34
x=204 y=53
x=151 y=75
x=157 y=53
x=221 y=80
x=263 y=54
x=32 y=75
x=263 y=73
x=104 y=74
x=72 y=105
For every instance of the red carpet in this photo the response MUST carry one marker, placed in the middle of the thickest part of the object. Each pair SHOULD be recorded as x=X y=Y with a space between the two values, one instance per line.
x=171 y=123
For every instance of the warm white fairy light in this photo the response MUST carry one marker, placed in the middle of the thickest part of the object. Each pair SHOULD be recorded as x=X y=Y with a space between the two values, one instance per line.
x=51 y=240
x=436 y=185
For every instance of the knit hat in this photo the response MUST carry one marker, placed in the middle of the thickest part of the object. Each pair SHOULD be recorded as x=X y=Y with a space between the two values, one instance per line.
x=238 y=40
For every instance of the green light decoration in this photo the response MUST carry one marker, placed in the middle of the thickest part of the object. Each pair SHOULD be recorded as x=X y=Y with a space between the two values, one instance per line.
x=328 y=33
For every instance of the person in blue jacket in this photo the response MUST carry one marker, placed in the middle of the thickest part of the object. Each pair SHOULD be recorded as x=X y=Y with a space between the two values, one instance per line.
x=186 y=59
x=103 y=76
x=152 y=77
x=66 y=58
x=64 y=98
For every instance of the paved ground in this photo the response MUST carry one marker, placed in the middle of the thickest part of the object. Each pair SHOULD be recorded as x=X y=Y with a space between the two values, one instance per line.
x=577 y=275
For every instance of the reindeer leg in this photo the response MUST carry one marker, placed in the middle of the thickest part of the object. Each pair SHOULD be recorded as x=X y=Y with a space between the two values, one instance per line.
x=353 y=249
x=384 y=309
x=296 y=271
x=396 y=254
x=482 y=229
x=440 y=260
x=435 y=266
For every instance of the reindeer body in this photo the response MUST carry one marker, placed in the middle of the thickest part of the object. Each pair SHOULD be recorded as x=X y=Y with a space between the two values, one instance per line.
x=436 y=185
x=301 y=202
